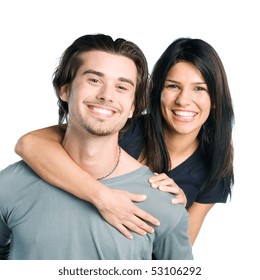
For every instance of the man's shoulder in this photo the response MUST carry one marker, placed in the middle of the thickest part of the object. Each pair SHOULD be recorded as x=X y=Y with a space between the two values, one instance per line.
x=139 y=175
x=158 y=203
x=16 y=172
x=14 y=168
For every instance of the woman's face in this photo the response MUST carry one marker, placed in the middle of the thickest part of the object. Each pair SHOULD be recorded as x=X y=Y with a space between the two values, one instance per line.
x=185 y=101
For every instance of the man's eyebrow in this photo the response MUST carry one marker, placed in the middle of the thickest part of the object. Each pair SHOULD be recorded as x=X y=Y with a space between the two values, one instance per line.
x=100 y=74
x=90 y=71
x=122 y=79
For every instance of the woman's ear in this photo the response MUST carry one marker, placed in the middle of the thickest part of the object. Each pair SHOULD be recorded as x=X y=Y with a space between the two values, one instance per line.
x=64 y=93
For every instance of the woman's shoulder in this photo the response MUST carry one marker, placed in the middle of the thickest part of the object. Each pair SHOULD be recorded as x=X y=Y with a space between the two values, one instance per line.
x=190 y=176
x=136 y=126
x=132 y=140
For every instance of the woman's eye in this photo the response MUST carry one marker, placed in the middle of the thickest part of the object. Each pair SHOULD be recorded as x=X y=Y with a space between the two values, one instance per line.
x=171 y=86
x=200 y=89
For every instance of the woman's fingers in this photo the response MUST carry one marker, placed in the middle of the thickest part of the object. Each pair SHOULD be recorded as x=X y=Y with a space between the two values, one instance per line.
x=119 y=210
x=167 y=184
x=135 y=223
x=146 y=217
x=180 y=200
x=180 y=197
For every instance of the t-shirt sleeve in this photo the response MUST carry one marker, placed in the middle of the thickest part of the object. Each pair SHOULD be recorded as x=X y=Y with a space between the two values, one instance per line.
x=5 y=232
x=4 y=238
x=216 y=195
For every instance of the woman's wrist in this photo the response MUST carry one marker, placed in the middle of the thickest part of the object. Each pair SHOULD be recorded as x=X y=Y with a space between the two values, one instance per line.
x=98 y=193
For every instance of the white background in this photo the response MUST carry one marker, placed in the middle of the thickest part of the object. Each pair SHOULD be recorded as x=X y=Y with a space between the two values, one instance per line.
x=35 y=33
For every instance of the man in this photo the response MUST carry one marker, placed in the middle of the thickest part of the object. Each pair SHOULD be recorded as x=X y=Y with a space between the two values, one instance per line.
x=100 y=84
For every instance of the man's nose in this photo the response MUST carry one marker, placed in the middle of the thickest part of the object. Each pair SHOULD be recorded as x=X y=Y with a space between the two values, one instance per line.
x=106 y=93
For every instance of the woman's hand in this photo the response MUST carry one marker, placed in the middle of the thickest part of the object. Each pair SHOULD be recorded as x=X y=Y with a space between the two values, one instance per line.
x=118 y=209
x=166 y=184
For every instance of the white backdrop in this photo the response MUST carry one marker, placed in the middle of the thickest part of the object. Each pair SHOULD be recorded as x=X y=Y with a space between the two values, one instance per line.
x=34 y=34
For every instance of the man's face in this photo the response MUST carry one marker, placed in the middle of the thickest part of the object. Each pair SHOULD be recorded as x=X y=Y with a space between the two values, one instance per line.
x=101 y=97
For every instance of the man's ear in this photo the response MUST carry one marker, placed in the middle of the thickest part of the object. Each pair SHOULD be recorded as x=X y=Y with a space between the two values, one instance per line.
x=64 y=93
x=131 y=111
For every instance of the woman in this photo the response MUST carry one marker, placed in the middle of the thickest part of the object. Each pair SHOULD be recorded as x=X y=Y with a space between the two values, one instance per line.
x=186 y=133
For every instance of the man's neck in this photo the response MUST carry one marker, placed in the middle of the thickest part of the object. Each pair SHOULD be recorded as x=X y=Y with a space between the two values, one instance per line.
x=98 y=155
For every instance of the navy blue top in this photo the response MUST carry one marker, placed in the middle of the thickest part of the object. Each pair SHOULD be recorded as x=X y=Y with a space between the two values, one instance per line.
x=189 y=175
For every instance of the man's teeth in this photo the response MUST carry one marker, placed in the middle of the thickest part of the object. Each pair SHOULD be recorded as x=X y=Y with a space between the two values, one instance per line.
x=102 y=111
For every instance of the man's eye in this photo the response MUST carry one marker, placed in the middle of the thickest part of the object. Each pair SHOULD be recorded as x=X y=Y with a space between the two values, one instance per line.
x=122 y=88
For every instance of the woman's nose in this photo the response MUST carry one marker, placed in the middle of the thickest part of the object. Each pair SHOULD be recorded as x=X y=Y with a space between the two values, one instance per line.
x=183 y=98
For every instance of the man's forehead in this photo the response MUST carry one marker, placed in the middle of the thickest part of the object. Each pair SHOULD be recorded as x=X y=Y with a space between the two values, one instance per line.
x=109 y=64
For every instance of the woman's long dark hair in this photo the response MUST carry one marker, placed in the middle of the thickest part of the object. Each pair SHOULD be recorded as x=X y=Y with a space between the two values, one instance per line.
x=215 y=137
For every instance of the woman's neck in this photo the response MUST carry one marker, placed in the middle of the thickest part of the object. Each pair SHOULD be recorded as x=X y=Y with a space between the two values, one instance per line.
x=180 y=147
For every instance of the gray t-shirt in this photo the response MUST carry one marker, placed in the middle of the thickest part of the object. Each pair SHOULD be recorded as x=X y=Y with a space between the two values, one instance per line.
x=43 y=222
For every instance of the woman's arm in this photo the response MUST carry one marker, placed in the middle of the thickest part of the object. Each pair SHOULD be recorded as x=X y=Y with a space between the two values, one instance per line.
x=42 y=150
x=197 y=212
